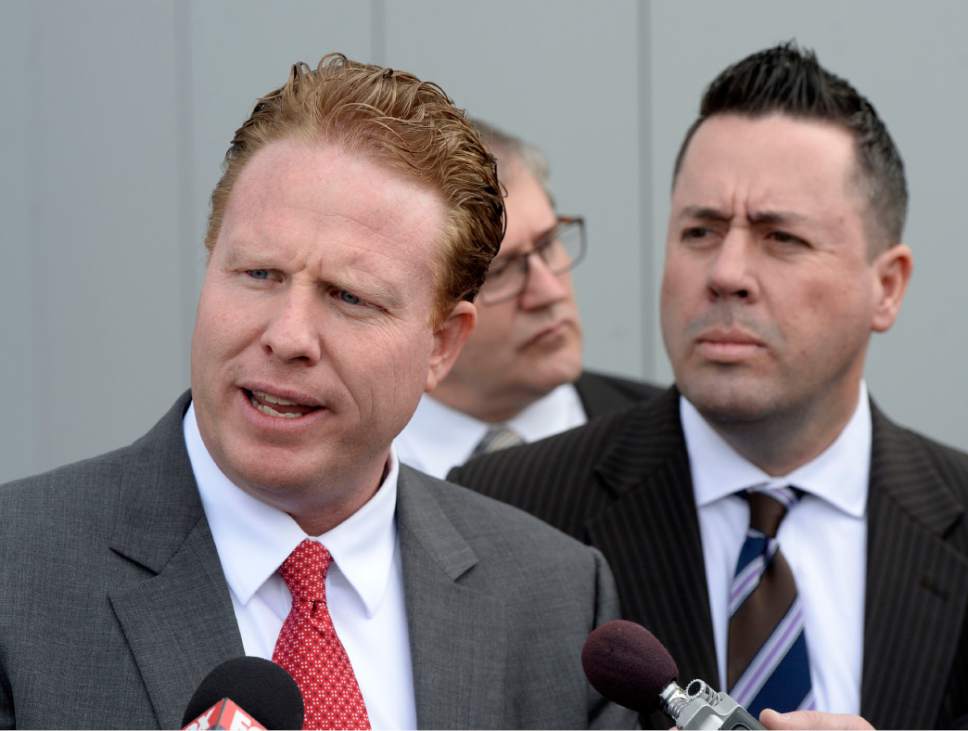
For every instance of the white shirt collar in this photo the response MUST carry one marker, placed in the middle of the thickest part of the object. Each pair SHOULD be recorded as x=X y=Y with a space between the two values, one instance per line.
x=838 y=475
x=253 y=538
x=551 y=414
x=439 y=437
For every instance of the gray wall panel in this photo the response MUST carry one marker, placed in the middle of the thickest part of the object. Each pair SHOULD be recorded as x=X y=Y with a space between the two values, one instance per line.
x=124 y=111
x=16 y=325
x=101 y=189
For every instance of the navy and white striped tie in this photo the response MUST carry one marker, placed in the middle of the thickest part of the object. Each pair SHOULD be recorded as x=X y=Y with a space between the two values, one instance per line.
x=767 y=662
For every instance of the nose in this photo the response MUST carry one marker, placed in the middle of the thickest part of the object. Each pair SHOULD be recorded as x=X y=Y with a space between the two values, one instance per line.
x=731 y=273
x=543 y=287
x=292 y=333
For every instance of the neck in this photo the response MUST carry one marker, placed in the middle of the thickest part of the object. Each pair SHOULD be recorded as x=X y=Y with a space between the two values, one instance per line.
x=487 y=407
x=785 y=441
x=318 y=508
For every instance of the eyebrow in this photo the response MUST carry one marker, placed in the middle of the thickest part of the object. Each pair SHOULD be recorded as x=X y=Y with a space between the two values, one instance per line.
x=539 y=239
x=776 y=217
x=246 y=250
x=706 y=213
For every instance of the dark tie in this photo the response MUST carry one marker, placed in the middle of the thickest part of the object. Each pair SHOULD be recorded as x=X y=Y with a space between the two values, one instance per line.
x=499 y=436
x=767 y=665
x=309 y=649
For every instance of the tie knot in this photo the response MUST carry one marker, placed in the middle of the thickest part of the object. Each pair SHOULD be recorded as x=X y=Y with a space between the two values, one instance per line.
x=768 y=508
x=305 y=571
x=499 y=436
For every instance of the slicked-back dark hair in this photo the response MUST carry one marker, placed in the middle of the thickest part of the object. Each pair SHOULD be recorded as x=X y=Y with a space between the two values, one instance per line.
x=789 y=80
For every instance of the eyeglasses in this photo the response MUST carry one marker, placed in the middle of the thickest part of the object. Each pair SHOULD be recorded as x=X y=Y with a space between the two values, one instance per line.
x=560 y=250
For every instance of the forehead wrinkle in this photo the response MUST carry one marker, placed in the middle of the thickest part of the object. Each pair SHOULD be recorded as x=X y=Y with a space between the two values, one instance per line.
x=771 y=217
x=388 y=206
x=362 y=264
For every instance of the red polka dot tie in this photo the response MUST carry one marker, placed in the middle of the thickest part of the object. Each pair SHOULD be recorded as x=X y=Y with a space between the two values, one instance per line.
x=309 y=649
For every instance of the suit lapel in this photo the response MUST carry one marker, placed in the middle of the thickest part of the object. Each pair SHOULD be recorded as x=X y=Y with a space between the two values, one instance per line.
x=457 y=636
x=650 y=535
x=917 y=585
x=179 y=622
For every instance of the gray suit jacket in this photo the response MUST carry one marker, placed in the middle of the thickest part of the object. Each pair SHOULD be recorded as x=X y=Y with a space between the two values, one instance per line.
x=113 y=605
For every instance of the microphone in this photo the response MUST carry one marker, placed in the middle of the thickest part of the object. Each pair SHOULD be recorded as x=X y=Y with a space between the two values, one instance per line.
x=245 y=693
x=627 y=664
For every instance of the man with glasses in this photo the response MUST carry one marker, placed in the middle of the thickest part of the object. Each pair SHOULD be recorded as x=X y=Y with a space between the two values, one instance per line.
x=520 y=377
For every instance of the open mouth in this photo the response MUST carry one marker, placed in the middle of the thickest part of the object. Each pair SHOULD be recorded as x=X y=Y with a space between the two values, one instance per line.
x=278 y=407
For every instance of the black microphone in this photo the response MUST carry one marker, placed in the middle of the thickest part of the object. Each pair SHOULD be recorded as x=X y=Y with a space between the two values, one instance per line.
x=262 y=690
x=628 y=665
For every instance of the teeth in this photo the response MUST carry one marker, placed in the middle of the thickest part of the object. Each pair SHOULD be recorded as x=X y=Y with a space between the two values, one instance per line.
x=269 y=411
x=263 y=396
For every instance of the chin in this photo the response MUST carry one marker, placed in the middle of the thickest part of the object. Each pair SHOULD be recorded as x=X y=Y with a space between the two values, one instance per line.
x=548 y=380
x=269 y=471
x=728 y=403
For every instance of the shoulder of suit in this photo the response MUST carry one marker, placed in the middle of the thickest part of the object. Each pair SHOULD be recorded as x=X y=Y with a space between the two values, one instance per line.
x=951 y=462
x=910 y=457
x=56 y=522
x=87 y=474
x=485 y=521
x=631 y=387
x=567 y=447
x=82 y=495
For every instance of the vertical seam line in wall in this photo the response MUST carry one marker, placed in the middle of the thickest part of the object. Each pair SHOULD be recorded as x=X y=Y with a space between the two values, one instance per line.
x=644 y=91
x=378 y=32
x=187 y=245
x=39 y=314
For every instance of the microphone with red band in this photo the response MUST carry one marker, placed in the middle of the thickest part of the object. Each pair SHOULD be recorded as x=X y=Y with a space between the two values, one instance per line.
x=628 y=665
x=245 y=693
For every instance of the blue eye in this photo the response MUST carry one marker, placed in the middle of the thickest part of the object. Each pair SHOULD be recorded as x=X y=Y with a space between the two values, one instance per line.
x=349 y=298
x=258 y=273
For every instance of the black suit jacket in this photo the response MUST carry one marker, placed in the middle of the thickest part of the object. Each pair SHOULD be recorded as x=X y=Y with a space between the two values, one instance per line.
x=601 y=393
x=623 y=484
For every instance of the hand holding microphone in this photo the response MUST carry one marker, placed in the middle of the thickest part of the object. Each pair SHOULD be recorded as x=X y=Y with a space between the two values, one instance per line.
x=814 y=720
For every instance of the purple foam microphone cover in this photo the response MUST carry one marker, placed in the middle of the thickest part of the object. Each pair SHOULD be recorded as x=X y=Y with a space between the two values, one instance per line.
x=628 y=665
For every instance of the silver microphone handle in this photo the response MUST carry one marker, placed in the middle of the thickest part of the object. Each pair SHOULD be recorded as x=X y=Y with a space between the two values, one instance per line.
x=700 y=707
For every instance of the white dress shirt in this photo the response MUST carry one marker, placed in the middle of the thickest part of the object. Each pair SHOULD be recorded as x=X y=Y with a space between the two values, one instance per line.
x=439 y=437
x=824 y=539
x=364 y=585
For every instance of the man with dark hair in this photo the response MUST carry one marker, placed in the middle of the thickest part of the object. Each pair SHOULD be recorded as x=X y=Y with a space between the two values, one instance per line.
x=519 y=377
x=267 y=514
x=776 y=531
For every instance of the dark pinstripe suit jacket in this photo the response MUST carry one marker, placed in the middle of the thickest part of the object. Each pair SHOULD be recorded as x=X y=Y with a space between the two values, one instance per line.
x=623 y=484
x=601 y=393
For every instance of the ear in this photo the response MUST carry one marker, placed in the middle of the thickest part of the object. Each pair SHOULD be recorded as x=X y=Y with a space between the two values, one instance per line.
x=892 y=270
x=449 y=338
